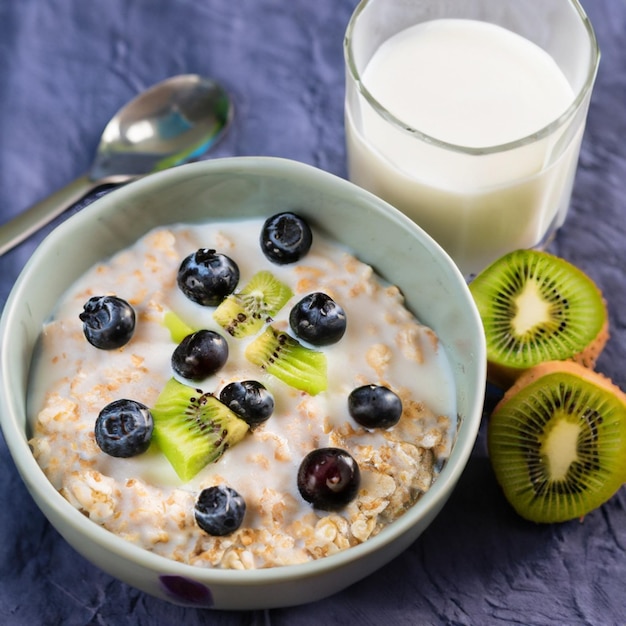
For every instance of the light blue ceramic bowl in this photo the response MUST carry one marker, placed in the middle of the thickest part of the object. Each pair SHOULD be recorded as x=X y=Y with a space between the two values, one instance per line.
x=381 y=236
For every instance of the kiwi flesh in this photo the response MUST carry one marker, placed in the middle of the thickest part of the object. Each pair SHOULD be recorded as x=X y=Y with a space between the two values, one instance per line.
x=192 y=428
x=178 y=328
x=537 y=307
x=557 y=441
x=244 y=313
x=286 y=358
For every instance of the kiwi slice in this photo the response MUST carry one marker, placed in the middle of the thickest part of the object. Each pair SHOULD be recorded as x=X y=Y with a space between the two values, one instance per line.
x=192 y=428
x=243 y=313
x=177 y=327
x=283 y=356
x=537 y=307
x=557 y=441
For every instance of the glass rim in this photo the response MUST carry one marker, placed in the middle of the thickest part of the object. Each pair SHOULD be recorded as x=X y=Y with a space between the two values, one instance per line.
x=548 y=129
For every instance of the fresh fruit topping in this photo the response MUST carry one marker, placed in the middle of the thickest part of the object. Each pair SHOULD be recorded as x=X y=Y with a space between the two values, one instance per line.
x=193 y=428
x=200 y=355
x=207 y=277
x=328 y=478
x=244 y=313
x=219 y=510
x=124 y=428
x=250 y=400
x=177 y=327
x=318 y=319
x=284 y=357
x=108 y=322
x=285 y=238
x=537 y=307
x=374 y=406
x=557 y=441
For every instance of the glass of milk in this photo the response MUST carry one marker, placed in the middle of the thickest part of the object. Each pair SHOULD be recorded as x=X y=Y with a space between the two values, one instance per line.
x=468 y=115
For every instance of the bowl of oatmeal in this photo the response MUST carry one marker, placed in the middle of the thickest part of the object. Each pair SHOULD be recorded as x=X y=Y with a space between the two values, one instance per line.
x=283 y=413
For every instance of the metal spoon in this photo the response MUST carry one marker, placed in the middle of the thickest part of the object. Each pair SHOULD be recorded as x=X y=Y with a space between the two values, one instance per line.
x=171 y=123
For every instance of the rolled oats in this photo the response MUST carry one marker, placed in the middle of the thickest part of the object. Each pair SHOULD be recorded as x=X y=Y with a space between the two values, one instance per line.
x=142 y=500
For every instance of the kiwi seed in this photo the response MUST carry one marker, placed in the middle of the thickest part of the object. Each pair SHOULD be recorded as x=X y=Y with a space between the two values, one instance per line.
x=537 y=307
x=557 y=441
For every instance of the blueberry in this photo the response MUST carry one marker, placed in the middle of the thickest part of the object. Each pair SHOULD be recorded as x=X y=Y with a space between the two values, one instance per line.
x=329 y=478
x=200 y=354
x=124 y=428
x=285 y=238
x=108 y=322
x=219 y=510
x=250 y=400
x=207 y=277
x=374 y=406
x=318 y=319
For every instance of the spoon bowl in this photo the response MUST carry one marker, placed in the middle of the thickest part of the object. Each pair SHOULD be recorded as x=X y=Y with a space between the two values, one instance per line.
x=172 y=122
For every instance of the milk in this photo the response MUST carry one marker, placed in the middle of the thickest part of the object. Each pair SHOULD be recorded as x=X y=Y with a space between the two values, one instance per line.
x=142 y=499
x=475 y=85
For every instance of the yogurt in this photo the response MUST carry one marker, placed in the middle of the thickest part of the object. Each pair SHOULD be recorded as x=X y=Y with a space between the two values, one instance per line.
x=143 y=500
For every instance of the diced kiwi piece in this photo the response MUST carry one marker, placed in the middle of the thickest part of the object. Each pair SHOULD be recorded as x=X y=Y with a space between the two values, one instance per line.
x=557 y=441
x=283 y=356
x=192 y=428
x=244 y=313
x=177 y=327
x=537 y=307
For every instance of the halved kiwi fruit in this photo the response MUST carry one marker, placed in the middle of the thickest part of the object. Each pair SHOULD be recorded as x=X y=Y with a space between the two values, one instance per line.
x=244 y=313
x=557 y=441
x=537 y=307
x=286 y=358
x=192 y=428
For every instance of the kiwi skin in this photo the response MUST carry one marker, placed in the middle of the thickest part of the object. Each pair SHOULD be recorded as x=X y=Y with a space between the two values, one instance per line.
x=504 y=367
x=510 y=439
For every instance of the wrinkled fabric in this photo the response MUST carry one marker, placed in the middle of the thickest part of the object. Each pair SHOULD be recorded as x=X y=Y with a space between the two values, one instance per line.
x=66 y=66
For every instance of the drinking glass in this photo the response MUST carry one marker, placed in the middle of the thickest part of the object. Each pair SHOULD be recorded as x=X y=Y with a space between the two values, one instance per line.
x=477 y=202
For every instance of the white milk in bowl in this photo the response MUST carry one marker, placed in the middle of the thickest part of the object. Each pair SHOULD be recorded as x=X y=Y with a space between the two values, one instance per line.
x=471 y=86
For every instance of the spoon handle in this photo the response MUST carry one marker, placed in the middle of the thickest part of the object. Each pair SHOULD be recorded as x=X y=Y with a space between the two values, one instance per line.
x=38 y=215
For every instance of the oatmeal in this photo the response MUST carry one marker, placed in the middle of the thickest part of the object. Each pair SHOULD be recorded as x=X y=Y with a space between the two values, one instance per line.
x=142 y=498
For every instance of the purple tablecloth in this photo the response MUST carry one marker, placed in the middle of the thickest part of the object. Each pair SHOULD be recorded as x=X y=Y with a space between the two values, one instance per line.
x=66 y=66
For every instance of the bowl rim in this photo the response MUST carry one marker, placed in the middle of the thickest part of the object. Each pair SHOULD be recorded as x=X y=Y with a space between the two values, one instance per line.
x=37 y=483
x=582 y=94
